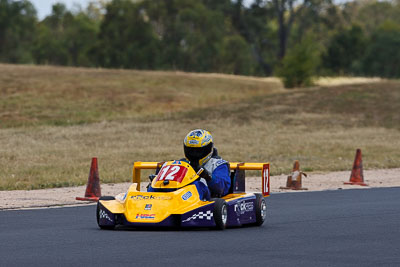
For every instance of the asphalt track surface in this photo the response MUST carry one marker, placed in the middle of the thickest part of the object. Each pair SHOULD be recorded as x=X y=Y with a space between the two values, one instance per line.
x=332 y=228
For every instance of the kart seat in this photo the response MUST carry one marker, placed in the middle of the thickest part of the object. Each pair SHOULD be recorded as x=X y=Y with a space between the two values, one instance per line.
x=238 y=182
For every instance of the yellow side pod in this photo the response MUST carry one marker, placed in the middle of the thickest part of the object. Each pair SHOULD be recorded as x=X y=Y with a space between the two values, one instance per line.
x=263 y=167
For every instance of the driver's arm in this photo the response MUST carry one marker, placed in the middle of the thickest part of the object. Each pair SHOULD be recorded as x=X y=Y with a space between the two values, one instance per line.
x=220 y=180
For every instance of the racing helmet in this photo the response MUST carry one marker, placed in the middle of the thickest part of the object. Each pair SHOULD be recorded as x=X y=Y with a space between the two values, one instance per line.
x=198 y=147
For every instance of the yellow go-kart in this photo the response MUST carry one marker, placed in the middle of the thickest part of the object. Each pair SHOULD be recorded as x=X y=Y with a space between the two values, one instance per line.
x=177 y=201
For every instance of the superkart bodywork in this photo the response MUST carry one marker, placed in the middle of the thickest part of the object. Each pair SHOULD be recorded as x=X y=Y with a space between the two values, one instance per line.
x=178 y=204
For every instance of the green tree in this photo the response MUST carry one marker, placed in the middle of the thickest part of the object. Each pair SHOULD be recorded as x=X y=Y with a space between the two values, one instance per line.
x=321 y=18
x=49 y=46
x=271 y=26
x=300 y=63
x=288 y=11
x=345 y=51
x=256 y=25
x=382 y=56
x=190 y=33
x=80 y=37
x=200 y=33
x=126 y=38
x=372 y=14
x=236 y=56
x=64 y=38
x=17 y=29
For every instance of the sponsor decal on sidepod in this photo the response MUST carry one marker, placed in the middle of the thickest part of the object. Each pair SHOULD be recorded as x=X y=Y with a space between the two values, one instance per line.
x=145 y=216
x=142 y=197
x=242 y=206
x=187 y=195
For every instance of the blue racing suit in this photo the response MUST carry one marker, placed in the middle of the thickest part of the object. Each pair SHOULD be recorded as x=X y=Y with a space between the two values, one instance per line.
x=220 y=182
x=218 y=185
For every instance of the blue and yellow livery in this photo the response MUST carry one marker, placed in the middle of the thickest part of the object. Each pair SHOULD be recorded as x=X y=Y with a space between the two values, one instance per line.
x=177 y=201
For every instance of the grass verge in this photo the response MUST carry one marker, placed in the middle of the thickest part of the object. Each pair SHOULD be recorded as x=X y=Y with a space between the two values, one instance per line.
x=53 y=120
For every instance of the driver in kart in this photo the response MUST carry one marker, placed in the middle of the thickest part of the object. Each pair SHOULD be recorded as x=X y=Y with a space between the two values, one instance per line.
x=200 y=153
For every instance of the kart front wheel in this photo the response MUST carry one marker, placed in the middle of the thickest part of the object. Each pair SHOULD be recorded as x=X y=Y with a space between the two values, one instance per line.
x=261 y=210
x=104 y=227
x=220 y=213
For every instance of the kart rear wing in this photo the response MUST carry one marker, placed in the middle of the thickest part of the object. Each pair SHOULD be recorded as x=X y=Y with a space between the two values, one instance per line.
x=263 y=167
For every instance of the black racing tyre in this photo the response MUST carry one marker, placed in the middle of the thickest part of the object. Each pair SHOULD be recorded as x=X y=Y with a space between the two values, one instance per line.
x=107 y=198
x=261 y=210
x=108 y=227
x=220 y=213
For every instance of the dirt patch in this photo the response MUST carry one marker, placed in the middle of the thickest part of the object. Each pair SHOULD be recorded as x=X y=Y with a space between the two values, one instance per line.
x=335 y=81
x=332 y=181
x=21 y=199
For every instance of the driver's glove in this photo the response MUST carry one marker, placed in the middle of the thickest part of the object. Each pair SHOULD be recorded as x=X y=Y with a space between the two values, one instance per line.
x=204 y=174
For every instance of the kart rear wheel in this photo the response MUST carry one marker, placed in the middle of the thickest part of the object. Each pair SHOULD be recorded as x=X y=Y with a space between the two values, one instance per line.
x=261 y=210
x=220 y=213
x=108 y=227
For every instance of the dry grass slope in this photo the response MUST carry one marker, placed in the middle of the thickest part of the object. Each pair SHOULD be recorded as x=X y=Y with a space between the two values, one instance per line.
x=33 y=95
x=53 y=120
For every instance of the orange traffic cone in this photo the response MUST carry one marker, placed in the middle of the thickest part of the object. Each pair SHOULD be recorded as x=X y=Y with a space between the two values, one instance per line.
x=357 y=176
x=93 y=192
x=294 y=181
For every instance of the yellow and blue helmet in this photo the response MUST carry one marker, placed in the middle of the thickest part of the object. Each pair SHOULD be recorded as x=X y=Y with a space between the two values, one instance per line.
x=198 y=146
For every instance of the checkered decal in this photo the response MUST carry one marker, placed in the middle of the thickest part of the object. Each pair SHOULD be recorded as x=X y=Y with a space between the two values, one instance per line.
x=208 y=215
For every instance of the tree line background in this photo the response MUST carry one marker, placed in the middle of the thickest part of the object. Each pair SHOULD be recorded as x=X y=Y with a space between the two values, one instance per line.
x=288 y=38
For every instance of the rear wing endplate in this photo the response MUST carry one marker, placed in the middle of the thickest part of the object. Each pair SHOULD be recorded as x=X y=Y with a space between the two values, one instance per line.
x=263 y=167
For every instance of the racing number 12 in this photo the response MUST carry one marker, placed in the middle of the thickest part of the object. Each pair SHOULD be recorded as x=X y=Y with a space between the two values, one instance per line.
x=171 y=170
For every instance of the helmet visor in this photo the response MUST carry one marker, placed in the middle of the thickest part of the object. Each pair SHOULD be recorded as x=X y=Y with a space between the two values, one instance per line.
x=197 y=153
